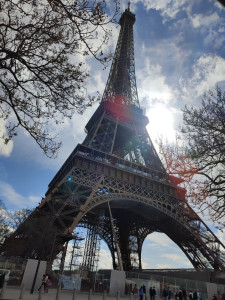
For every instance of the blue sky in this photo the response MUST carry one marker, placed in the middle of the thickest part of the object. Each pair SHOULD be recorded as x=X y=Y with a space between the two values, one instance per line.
x=179 y=54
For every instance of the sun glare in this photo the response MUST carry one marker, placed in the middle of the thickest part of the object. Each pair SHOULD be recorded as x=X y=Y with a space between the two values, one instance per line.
x=161 y=123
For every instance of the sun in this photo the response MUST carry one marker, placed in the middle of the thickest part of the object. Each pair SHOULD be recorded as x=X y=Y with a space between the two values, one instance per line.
x=161 y=123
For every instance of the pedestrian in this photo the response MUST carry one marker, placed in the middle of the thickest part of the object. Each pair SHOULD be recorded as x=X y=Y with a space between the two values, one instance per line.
x=135 y=292
x=144 y=292
x=184 y=294
x=2 y=279
x=42 y=282
x=165 y=294
x=195 y=295
x=180 y=295
x=48 y=283
x=214 y=297
x=141 y=293
x=190 y=296
x=169 y=294
x=222 y=297
x=153 y=293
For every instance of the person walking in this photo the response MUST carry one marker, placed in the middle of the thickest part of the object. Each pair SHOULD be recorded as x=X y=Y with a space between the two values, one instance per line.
x=180 y=295
x=152 y=293
x=195 y=295
x=184 y=294
x=141 y=293
x=135 y=292
x=144 y=292
x=42 y=282
x=48 y=283
x=2 y=279
x=190 y=296
x=165 y=293
x=169 y=294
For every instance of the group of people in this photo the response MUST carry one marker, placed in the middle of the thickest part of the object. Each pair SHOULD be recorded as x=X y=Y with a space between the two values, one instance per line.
x=166 y=294
x=194 y=296
x=142 y=291
x=45 y=283
x=221 y=297
x=181 y=294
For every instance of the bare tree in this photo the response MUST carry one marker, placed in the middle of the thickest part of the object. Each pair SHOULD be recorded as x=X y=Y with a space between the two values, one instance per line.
x=16 y=218
x=4 y=228
x=42 y=71
x=11 y=220
x=179 y=163
x=201 y=163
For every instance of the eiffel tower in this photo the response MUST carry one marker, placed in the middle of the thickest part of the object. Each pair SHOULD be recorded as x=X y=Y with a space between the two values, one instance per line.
x=115 y=185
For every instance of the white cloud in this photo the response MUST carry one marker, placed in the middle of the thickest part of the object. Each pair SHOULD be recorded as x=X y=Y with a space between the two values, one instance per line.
x=212 y=26
x=144 y=263
x=160 y=239
x=207 y=72
x=152 y=84
x=199 y=20
x=5 y=150
x=163 y=266
x=152 y=245
x=167 y=8
x=174 y=257
x=15 y=199
x=105 y=259
x=214 y=39
x=71 y=132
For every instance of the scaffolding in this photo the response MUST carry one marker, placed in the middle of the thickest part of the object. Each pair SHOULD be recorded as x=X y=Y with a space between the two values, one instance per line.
x=76 y=252
x=91 y=250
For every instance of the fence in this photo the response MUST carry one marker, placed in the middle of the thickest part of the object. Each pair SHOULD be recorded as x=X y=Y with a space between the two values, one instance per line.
x=99 y=281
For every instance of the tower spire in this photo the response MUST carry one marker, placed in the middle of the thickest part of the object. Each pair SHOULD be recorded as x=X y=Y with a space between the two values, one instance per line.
x=128 y=6
x=121 y=85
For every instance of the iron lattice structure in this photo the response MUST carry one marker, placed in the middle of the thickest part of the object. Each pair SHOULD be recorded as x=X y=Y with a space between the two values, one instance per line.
x=116 y=166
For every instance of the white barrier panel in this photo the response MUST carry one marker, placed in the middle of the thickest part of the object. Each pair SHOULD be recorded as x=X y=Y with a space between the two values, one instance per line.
x=117 y=283
x=29 y=274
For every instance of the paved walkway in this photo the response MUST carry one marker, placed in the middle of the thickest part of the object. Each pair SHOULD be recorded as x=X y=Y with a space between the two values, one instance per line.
x=12 y=293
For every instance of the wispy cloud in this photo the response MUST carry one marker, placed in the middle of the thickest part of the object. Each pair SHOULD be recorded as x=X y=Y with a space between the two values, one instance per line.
x=206 y=73
x=15 y=199
x=168 y=9
x=163 y=266
x=160 y=239
x=199 y=20
x=173 y=257
x=152 y=245
x=152 y=85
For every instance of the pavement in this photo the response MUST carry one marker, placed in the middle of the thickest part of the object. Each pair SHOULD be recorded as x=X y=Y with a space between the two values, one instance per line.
x=14 y=293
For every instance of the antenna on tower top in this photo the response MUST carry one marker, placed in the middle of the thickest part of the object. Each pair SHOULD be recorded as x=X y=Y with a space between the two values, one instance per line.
x=128 y=5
